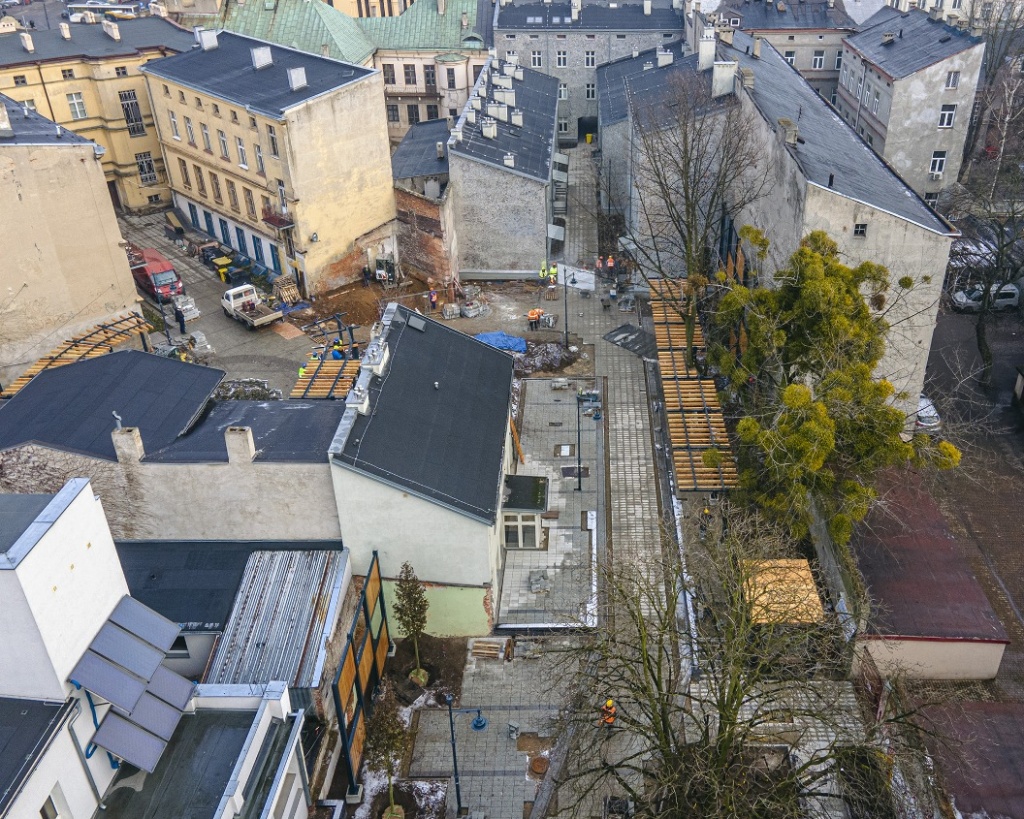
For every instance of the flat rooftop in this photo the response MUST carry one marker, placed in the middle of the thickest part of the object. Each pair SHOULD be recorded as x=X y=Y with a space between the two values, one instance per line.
x=915 y=571
x=594 y=16
x=787 y=16
x=416 y=154
x=17 y=513
x=193 y=772
x=26 y=726
x=143 y=34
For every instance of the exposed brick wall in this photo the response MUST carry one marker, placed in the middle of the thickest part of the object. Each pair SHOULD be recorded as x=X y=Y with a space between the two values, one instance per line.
x=421 y=237
x=349 y=268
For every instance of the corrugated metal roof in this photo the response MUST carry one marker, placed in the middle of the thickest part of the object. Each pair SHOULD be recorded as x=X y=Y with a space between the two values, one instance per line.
x=315 y=27
x=420 y=27
x=279 y=626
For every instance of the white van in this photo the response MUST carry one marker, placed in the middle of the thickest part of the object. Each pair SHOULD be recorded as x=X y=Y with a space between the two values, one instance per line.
x=1003 y=297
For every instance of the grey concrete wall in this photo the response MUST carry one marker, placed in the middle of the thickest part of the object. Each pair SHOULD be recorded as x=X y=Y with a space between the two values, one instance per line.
x=500 y=217
x=805 y=44
x=606 y=45
x=615 y=161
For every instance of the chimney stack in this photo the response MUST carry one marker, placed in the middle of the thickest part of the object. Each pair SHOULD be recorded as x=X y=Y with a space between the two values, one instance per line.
x=489 y=129
x=647 y=8
x=111 y=30
x=789 y=129
x=747 y=77
x=65 y=31
x=240 y=445
x=465 y=20
x=664 y=57
x=6 y=129
x=261 y=57
x=207 y=39
x=706 y=49
x=510 y=160
x=517 y=118
x=723 y=78
x=26 y=42
x=440 y=150
x=757 y=46
x=442 y=6
x=297 y=78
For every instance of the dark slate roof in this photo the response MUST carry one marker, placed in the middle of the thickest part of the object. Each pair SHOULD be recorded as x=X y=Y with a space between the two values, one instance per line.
x=916 y=572
x=533 y=144
x=17 y=513
x=193 y=772
x=144 y=34
x=828 y=146
x=31 y=128
x=920 y=41
x=416 y=155
x=194 y=583
x=26 y=729
x=70 y=407
x=227 y=72
x=613 y=78
x=444 y=443
x=817 y=16
x=284 y=431
x=624 y=17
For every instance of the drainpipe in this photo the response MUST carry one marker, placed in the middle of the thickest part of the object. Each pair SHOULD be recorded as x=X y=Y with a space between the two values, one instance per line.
x=863 y=91
x=81 y=755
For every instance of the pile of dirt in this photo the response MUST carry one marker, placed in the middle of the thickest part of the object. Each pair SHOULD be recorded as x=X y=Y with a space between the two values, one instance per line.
x=246 y=389
x=419 y=798
x=444 y=658
x=549 y=357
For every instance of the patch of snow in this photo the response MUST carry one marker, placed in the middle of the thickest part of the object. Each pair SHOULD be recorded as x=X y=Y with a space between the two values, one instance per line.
x=373 y=783
x=406 y=713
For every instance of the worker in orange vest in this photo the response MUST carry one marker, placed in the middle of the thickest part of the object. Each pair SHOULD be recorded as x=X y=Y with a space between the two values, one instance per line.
x=608 y=712
x=534 y=318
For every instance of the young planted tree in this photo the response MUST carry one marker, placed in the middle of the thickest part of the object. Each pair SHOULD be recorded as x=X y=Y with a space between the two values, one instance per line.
x=411 y=607
x=387 y=740
x=817 y=421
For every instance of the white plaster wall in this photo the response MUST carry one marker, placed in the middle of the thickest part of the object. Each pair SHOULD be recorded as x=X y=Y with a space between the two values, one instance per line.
x=913 y=132
x=443 y=546
x=70 y=581
x=931 y=659
x=61 y=767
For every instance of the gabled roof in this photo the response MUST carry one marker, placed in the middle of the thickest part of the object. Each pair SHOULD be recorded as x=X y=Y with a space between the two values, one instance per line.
x=227 y=72
x=613 y=78
x=313 y=27
x=916 y=572
x=532 y=144
x=283 y=431
x=438 y=419
x=71 y=408
x=194 y=582
x=558 y=16
x=919 y=41
x=416 y=154
x=787 y=16
x=31 y=128
x=144 y=34
x=421 y=28
x=829 y=152
x=26 y=729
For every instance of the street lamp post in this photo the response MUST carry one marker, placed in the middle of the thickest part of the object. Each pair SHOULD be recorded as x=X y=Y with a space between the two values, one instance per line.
x=579 y=441
x=478 y=724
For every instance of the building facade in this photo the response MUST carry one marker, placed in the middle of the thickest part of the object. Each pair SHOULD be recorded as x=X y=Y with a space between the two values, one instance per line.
x=569 y=41
x=278 y=153
x=87 y=79
x=907 y=87
x=60 y=274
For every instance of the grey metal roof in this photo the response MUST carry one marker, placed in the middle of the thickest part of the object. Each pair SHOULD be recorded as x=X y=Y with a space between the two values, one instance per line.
x=227 y=72
x=30 y=128
x=787 y=16
x=828 y=147
x=194 y=583
x=861 y=10
x=438 y=419
x=26 y=729
x=70 y=407
x=533 y=144
x=613 y=78
x=17 y=513
x=143 y=34
x=283 y=431
x=193 y=771
x=593 y=16
x=920 y=41
x=416 y=154
x=281 y=619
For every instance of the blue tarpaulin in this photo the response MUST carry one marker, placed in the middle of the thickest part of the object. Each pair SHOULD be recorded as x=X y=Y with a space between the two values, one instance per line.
x=503 y=341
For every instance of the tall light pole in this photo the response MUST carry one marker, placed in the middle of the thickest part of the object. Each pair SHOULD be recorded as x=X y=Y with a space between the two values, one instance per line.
x=478 y=724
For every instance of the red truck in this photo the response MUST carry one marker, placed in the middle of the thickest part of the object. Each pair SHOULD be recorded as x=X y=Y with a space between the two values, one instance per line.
x=153 y=273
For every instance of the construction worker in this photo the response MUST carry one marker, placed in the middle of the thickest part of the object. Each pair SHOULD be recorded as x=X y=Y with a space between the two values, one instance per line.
x=608 y=714
x=553 y=273
x=544 y=269
x=610 y=265
x=534 y=318
x=302 y=370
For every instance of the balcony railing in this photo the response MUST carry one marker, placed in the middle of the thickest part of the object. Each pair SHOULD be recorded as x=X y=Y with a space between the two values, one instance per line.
x=280 y=219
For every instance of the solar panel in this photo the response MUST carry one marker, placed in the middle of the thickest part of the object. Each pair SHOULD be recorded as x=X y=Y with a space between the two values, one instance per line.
x=127 y=650
x=170 y=687
x=129 y=742
x=156 y=716
x=109 y=681
x=143 y=622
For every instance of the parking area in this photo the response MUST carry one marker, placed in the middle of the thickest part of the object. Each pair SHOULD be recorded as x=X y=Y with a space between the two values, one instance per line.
x=272 y=353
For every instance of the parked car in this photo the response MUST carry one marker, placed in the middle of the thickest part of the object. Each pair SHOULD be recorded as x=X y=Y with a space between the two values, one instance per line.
x=9 y=3
x=154 y=274
x=1002 y=297
x=926 y=419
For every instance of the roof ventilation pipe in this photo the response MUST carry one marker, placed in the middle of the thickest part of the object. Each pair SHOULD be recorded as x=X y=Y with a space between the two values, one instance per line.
x=376 y=357
x=510 y=160
x=664 y=57
x=297 y=78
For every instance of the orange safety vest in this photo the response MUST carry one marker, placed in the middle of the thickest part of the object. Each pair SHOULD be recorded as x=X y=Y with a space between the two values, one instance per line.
x=608 y=715
x=535 y=314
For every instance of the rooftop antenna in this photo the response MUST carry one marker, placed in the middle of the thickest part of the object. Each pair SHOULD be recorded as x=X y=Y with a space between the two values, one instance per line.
x=117 y=419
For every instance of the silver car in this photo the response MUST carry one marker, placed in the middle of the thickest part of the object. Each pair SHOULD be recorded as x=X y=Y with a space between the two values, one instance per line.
x=926 y=419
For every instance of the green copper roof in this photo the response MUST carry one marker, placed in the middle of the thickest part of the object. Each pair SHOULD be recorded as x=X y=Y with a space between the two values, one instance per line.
x=420 y=27
x=307 y=25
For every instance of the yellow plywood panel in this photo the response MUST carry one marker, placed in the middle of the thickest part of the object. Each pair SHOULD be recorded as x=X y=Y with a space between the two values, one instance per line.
x=782 y=591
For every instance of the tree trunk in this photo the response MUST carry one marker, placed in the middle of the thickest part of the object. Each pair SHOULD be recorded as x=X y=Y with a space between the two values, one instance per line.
x=981 y=335
x=416 y=650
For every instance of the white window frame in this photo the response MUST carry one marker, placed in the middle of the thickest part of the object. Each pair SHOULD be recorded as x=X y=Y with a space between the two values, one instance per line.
x=790 y=57
x=561 y=59
x=938 y=163
x=947 y=116
x=952 y=80
x=243 y=159
x=818 y=60
x=174 y=125
x=520 y=521
x=222 y=140
x=839 y=60
x=204 y=131
x=563 y=126
x=591 y=91
x=536 y=59
x=272 y=136
x=258 y=153
x=563 y=91
x=590 y=59
x=190 y=131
